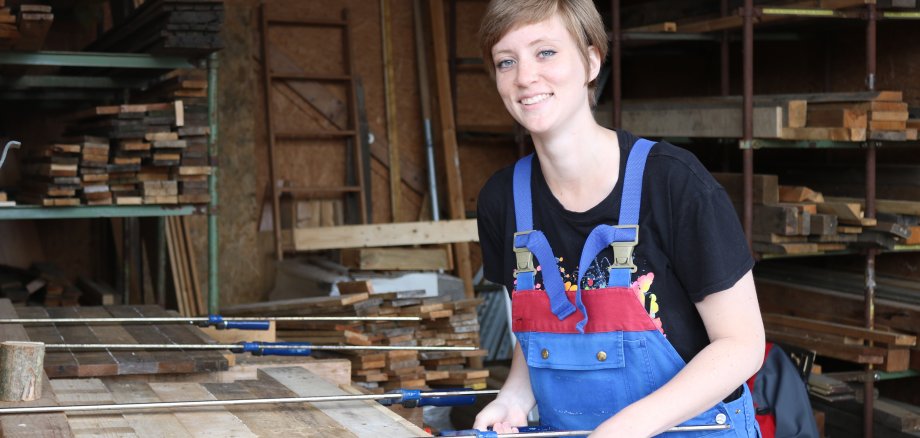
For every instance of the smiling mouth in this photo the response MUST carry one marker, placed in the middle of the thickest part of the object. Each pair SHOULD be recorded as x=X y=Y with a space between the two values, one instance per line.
x=536 y=99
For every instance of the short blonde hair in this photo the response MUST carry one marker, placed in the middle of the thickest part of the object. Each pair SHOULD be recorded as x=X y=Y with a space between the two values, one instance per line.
x=580 y=18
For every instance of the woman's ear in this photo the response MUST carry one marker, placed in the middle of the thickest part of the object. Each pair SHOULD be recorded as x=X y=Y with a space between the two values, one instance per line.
x=594 y=63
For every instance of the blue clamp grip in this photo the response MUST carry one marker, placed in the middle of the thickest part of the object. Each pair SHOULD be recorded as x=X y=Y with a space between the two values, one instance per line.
x=258 y=348
x=470 y=432
x=218 y=322
x=449 y=400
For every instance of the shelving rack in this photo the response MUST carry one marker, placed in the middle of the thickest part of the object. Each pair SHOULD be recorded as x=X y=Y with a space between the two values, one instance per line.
x=748 y=143
x=72 y=88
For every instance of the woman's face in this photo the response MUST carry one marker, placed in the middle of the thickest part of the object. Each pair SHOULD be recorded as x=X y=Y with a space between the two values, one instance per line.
x=540 y=75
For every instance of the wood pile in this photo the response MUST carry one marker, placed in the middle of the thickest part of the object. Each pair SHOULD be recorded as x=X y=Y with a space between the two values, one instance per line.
x=25 y=27
x=167 y=27
x=125 y=155
x=856 y=116
x=797 y=220
x=444 y=323
x=42 y=284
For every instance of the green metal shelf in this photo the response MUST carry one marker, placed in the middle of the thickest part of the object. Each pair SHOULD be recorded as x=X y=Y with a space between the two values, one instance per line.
x=896 y=249
x=96 y=211
x=96 y=59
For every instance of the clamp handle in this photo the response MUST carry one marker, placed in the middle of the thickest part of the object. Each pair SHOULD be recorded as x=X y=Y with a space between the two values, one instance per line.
x=470 y=432
x=412 y=398
x=294 y=348
x=218 y=322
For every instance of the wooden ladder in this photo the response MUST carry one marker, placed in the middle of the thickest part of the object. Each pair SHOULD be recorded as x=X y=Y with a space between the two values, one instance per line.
x=349 y=134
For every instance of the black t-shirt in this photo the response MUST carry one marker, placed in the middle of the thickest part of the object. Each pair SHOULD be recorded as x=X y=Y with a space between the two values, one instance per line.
x=690 y=240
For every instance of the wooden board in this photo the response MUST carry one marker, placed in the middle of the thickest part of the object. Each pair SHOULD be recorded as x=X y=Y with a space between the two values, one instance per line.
x=702 y=122
x=396 y=259
x=105 y=363
x=363 y=419
x=400 y=234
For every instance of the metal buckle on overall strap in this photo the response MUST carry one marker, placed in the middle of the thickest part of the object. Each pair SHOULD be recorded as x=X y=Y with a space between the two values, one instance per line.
x=523 y=256
x=623 y=251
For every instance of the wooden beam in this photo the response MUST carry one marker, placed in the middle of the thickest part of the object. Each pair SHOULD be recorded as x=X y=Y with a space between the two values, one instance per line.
x=389 y=90
x=666 y=27
x=884 y=337
x=450 y=153
x=396 y=259
x=884 y=205
x=381 y=235
x=702 y=122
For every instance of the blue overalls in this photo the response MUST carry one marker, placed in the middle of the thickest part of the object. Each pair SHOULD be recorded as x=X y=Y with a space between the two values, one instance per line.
x=583 y=371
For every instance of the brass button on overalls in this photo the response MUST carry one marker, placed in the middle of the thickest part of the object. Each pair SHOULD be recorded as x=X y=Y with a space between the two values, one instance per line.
x=545 y=354
x=601 y=356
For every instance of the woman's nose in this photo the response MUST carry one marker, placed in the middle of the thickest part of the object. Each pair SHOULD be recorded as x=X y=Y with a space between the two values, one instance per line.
x=527 y=72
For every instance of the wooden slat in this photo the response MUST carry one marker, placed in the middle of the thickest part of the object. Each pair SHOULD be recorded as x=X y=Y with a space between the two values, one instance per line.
x=702 y=122
x=294 y=305
x=89 y=363
x=160 y=423
x=72 y=392
x=884 y=205
x=201 y=421
x=884 y=337
x=855 y=354
x=379 y=235
x=362 y=418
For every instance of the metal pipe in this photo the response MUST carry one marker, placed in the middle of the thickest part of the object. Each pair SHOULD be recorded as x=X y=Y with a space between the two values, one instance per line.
x=425 y=99
x=254 y=401
x=748 y=120
x=195 y=319
x=213 y=240
x=616 y=56
x=558 y=433
x=871 y=152
x=288 y=346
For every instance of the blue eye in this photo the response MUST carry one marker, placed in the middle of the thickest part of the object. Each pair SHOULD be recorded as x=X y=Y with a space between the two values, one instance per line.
x=546 y=53
x=503 y=64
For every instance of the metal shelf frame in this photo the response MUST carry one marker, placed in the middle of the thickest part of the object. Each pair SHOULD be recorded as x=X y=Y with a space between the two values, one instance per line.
x=871 y=15
x=72 y=86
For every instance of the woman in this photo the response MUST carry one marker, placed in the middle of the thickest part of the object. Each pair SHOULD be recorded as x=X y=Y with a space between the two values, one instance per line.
x=634 y=306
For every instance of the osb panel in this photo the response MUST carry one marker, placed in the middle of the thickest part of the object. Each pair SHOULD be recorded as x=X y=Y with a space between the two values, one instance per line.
x=469 y=15
x=481 y=159
x=478 y=102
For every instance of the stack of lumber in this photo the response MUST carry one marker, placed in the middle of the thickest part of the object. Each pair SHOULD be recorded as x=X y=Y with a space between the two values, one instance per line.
x=829 y=389
x=833 y=296
x=167 y=27
x=25 y=27
x=798 y=220
x=126 y=155
x=856 y=116
x=47 y=285
x=889 y=351
x=51 y=177
x=444 y=323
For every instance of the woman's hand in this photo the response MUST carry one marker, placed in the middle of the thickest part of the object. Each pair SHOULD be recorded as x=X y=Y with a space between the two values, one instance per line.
x=502 y=416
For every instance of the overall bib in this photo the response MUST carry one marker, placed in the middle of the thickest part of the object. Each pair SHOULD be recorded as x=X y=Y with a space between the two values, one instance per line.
x=583 y=371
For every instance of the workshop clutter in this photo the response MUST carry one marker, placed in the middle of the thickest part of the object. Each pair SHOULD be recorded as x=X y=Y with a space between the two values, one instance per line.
x=443 y=323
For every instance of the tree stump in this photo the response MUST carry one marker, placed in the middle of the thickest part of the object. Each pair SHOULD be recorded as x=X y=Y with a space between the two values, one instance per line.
x=21 y=370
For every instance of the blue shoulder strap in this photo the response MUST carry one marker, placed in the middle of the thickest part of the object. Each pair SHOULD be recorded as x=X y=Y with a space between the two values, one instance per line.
x=528 y=243
x=622 y=237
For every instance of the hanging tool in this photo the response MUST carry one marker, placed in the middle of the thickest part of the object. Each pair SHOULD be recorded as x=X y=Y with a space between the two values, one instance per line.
x=256 y=348
x=546 y=431
x=10 y=144
x=216 y=321
x=407 y=397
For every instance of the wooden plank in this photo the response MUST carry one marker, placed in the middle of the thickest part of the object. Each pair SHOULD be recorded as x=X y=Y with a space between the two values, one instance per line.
x=151 y=334
x=293 y=306
x=834 y=134
x=57 y=363
x=286 y=419
x=157 y=423
x=883 y=205
x=203 y=360
x=450 y=153
x=702 y=122
x=379 y=235
x=396 y=259
x=849 y=353
x=89 y=363
x=129 y=362
x=201 y=421
x=837 y=117
x=799 y=194
x=823 y=224
x=884 y=337
x=666 y=27
x=72 y=392
x=362 y=418
x=765 y=187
